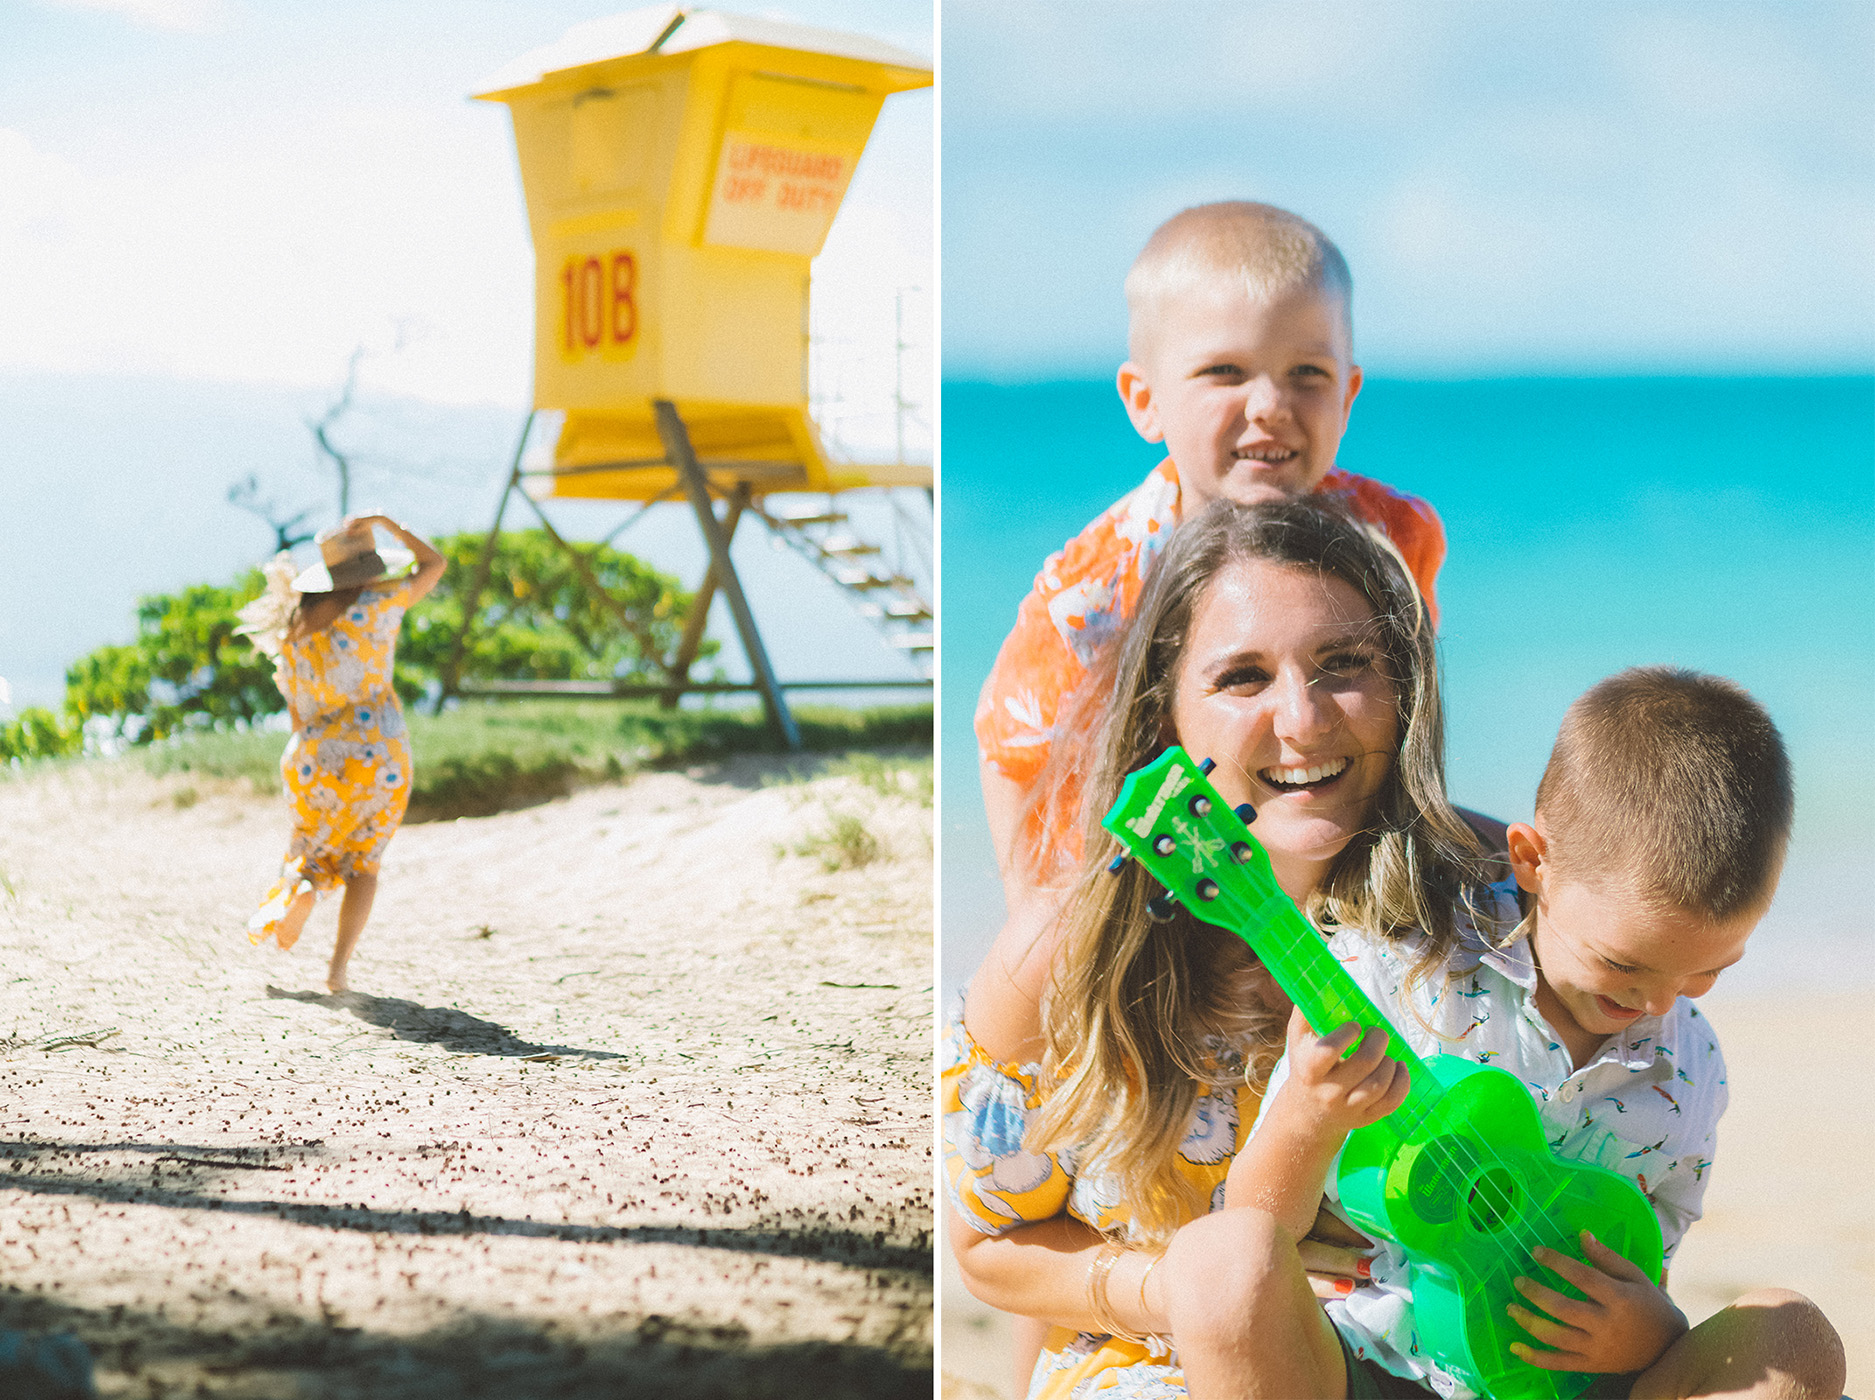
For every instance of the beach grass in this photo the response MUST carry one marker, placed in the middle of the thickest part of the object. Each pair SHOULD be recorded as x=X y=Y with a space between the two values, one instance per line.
x=486 y=757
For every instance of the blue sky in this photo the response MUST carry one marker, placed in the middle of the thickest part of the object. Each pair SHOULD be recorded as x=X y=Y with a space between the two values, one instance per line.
x=243 y=190
x=1585 y=187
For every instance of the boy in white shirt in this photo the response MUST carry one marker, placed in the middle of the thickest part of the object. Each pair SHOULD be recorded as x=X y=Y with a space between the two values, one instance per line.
x=1660 y=828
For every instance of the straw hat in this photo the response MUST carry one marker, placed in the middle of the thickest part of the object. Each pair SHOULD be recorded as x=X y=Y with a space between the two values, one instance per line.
x=349 y=558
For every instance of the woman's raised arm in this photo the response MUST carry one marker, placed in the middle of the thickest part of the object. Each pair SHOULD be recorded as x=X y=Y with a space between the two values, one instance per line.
x=430 y=562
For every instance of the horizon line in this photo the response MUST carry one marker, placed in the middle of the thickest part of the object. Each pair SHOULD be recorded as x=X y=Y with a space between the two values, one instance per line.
x=1455 y=375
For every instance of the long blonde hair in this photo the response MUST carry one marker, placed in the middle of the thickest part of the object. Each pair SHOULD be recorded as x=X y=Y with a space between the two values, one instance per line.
x=1134 y=1008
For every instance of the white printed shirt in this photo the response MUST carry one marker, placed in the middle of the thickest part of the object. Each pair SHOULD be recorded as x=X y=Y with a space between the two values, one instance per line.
x=1647 y=1104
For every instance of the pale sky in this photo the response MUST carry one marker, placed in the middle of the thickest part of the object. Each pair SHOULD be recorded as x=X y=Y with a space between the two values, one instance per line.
x=1598 y=186
x=244 y=190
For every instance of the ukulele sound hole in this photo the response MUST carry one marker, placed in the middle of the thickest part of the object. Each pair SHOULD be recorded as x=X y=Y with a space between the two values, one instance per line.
x=1492 y=1202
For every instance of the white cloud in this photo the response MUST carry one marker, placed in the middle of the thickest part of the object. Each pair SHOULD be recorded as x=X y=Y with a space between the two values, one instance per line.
x=1539 y=185
x=265 y=247
x=183 y=15
x=269 y=258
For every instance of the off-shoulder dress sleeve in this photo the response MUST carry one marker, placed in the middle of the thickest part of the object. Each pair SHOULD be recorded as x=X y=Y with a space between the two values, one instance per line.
x=994 y=1183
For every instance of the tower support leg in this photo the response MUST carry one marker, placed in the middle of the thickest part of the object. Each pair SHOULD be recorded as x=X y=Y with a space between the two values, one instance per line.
x=677 y=447
x=699 y=615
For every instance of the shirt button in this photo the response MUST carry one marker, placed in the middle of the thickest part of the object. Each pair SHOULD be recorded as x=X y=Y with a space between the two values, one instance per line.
x=1569 y=1093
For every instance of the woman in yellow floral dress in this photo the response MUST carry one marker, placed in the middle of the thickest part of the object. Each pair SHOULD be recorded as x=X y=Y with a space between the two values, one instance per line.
x=333 y=633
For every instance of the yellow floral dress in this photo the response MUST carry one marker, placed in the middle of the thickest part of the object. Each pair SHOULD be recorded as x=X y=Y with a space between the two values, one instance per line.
x=995 y=1185
x=347 y=767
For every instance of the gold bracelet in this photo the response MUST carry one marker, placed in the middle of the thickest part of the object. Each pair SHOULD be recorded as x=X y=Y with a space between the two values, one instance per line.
x=1097 y=1301
x=1151 y=1264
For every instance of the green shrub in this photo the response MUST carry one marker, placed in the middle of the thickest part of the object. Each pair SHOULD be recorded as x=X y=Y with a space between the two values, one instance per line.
x=186 y=668
x=37 y=733
x=538 y=620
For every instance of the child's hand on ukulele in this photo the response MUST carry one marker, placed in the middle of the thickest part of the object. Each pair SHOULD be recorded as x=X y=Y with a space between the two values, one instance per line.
x=1344 y=1094
x=1623 y=1324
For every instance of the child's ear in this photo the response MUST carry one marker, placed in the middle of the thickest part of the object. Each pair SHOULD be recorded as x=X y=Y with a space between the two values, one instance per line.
x=1354 y=387
x=1136 y=394
x=1529 y=854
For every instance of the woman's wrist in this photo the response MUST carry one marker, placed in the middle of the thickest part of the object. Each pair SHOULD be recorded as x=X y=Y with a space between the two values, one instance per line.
x=1125 y=1293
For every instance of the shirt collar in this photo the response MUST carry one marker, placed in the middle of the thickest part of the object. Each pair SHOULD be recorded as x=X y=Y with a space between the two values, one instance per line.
x=1645 y=1041
x=1511 y=961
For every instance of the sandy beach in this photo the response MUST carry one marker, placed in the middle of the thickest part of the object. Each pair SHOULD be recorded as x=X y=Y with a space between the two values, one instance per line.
x=1785 y=1209
x=625 y=1091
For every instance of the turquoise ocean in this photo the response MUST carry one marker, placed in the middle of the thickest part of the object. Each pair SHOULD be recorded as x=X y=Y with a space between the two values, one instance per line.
x=1723 y=524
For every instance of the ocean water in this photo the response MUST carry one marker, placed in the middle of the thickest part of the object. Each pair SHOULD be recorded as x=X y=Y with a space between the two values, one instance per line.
x=1724 y=524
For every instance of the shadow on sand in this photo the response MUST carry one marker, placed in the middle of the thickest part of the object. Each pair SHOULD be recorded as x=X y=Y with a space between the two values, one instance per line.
x=471 y=1356
x=456 y=1031
x=172 y=1175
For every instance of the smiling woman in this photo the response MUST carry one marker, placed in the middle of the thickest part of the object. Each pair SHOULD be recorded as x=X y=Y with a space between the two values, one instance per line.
x=1106 y=1069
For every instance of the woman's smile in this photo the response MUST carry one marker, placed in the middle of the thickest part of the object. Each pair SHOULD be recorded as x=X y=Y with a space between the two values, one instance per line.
x=1312 y=776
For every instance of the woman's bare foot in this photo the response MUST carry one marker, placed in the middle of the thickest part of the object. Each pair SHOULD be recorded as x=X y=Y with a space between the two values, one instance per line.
x=293 y=922
x=354 y=909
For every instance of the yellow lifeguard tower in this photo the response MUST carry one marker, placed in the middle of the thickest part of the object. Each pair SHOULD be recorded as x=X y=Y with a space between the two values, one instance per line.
x=682 y=168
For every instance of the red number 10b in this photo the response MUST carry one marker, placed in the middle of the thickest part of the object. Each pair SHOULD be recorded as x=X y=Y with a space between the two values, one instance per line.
x=598 y=297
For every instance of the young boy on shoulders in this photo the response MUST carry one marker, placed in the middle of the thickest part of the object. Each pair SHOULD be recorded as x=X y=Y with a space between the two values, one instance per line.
x=1241 y=362
x=1660 y=828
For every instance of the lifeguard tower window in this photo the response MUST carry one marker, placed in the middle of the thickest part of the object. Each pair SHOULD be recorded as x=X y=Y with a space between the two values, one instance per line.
x=682 y=169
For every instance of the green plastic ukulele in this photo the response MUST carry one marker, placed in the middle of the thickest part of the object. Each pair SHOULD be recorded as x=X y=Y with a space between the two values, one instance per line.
x=1459 y=1175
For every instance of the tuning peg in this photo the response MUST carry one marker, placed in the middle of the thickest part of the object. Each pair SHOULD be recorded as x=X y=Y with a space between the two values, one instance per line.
x=1206 y=766
x=1245 y=813
x=1161 y=907
x=1207 y=888
x=1118 y=863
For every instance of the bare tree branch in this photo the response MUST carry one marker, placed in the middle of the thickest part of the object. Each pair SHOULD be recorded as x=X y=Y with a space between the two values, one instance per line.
x=288 y=530
x=341 y=461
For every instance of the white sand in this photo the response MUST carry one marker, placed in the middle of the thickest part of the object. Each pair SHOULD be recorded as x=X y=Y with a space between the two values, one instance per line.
x=1790 y=1204
x=620 y=1093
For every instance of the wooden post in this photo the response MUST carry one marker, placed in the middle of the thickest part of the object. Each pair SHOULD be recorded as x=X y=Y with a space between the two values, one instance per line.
x=677 y=445
x=699 y=616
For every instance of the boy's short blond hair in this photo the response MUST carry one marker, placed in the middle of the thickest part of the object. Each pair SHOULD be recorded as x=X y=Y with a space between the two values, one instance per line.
x=1265 y=251
x=1671 y=788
